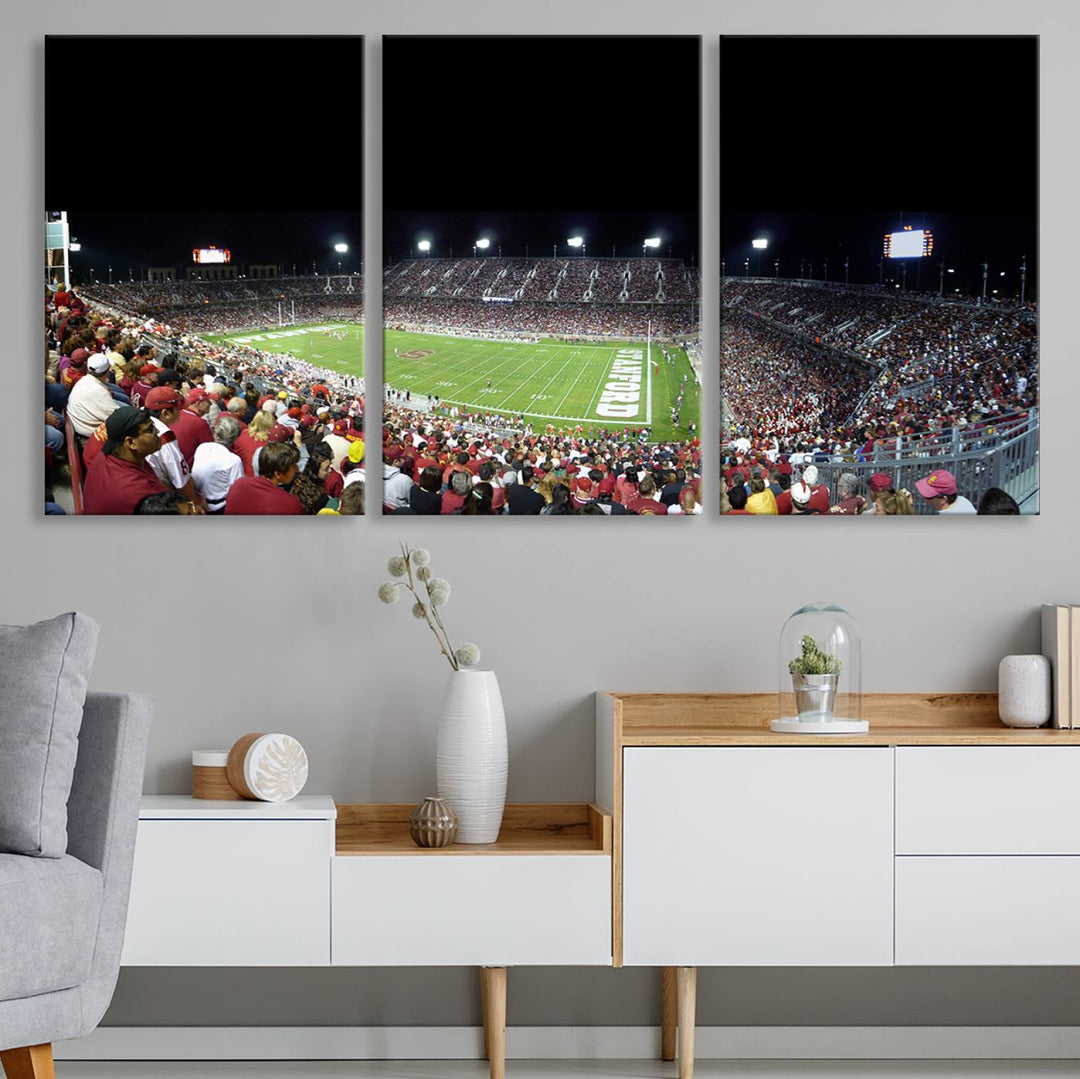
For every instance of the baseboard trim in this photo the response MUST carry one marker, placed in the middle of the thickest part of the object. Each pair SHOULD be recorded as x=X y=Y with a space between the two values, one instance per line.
x=568 y=1043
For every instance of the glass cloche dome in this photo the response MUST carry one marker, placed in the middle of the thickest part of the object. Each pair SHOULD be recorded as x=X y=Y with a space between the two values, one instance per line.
x=820 y=673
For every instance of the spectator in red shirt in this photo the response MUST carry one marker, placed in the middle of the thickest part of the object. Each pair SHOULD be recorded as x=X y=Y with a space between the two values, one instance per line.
x=454 y=497
x=119 y=478
x=191 y=428
x=645 y=505
x=265 y=493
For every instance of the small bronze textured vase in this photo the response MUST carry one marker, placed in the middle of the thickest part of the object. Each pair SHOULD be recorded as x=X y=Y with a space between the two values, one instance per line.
x=433 y=823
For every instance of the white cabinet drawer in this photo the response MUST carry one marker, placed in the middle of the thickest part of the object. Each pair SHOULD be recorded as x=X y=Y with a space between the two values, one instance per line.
x=988 y=800
x=230 y=893
x=982 y=911
x=472 y=910
x=758 y=856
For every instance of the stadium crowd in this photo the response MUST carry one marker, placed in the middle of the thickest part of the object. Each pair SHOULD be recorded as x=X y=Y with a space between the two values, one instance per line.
x=436 y=465
x=555 y=279
x=929 y=372
x=575 y=320
x=142 y=419
x=214 y=306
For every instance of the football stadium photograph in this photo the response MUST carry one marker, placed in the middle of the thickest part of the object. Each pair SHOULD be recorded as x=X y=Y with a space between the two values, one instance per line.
x=201 y=362
x=877 y=359
x=542 y=360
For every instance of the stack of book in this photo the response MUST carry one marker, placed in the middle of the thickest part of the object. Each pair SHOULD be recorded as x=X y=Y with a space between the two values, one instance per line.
x=1061 y=645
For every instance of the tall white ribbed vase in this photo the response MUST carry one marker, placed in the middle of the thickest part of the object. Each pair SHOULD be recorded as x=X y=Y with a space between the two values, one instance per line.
x=470 y=754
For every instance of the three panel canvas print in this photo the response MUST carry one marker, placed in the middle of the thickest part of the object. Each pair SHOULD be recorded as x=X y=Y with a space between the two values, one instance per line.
x=541 y=287
x=879 y=317
x=204 y=299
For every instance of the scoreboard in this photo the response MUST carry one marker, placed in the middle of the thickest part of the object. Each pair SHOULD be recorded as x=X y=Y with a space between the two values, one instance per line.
x=909 y=243
x=208 y=255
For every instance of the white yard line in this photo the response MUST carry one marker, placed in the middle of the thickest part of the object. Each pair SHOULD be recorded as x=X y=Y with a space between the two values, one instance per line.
x=607 y=371
x=556 y=375
x=490 y=372
x=458 y=362
x=575 y=382
x=503 y=407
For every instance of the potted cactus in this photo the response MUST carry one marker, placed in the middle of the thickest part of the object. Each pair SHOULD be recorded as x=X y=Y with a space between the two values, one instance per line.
x=814 y=677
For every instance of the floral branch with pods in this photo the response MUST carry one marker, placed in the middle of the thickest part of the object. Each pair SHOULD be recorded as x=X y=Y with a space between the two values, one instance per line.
x=413 y=569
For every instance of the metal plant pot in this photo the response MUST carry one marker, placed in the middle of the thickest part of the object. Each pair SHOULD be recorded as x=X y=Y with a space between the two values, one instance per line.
x=815 y=695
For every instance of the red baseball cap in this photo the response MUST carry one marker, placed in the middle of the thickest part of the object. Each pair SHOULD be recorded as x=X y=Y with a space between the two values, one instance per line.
x=196 y=395
x=280 y=433
x=162 y=397
x=936 y=484
x=880 y=481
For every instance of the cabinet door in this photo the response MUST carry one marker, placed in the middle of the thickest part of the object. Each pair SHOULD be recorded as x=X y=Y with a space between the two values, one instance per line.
x=988 y=800
x=230 y=893
x=986 y=911
x=758 y=856
x=432 y=909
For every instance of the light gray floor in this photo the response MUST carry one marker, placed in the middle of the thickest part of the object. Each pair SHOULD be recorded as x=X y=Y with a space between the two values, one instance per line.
x=571 y=1069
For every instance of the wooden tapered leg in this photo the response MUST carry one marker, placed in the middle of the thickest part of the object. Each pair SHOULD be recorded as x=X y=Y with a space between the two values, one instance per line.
x=484 y=1011
x=493 y=993
x=30 y=1062
x=669 y=995
x=687 y=979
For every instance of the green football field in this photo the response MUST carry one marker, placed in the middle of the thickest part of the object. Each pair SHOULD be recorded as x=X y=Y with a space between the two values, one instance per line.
x=308 y=342
x=567 y=385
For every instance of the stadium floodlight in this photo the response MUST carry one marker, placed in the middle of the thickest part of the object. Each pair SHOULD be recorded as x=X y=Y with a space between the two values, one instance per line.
x=652 y=241
x=483 y=244
x=574 y=241
x=341 y=248
x=759 y=245
x=424 y=245
x=74 y=247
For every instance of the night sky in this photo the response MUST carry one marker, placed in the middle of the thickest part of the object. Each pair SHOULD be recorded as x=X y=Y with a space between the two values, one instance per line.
x=210 y=124
x=826 y=143
x=532 y=140
x=860 y=136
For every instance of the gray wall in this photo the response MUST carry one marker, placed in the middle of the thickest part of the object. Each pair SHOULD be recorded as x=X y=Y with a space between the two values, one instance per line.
x=559 y=611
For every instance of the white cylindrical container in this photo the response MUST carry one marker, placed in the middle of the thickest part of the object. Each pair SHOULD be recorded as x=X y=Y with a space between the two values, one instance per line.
x=1024 y=691
x=470 y=754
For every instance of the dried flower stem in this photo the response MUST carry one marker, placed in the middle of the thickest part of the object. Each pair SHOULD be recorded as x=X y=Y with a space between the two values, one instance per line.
x=442 y=637
x=438 y=619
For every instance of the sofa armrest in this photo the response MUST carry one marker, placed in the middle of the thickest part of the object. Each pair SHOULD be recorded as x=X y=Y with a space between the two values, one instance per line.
x=103 y=816
x=103 y=808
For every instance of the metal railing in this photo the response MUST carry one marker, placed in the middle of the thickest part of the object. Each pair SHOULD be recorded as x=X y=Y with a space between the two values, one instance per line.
x=1006 y=457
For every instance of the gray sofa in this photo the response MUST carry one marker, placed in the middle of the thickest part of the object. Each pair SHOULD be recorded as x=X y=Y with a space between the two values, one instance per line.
x=62 y=919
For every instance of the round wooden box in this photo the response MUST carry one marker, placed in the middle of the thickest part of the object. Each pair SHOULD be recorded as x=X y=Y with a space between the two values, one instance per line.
x=267 y=767
x=208 y=778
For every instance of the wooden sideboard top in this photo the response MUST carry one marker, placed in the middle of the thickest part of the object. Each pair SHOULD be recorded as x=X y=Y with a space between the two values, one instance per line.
x=696 y=719
x=574 y=828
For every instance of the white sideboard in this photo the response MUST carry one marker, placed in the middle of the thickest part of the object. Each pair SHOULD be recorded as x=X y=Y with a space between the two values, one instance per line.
x=231 y=883
x=940 y=838
x=306 y=882
x=244 y=883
